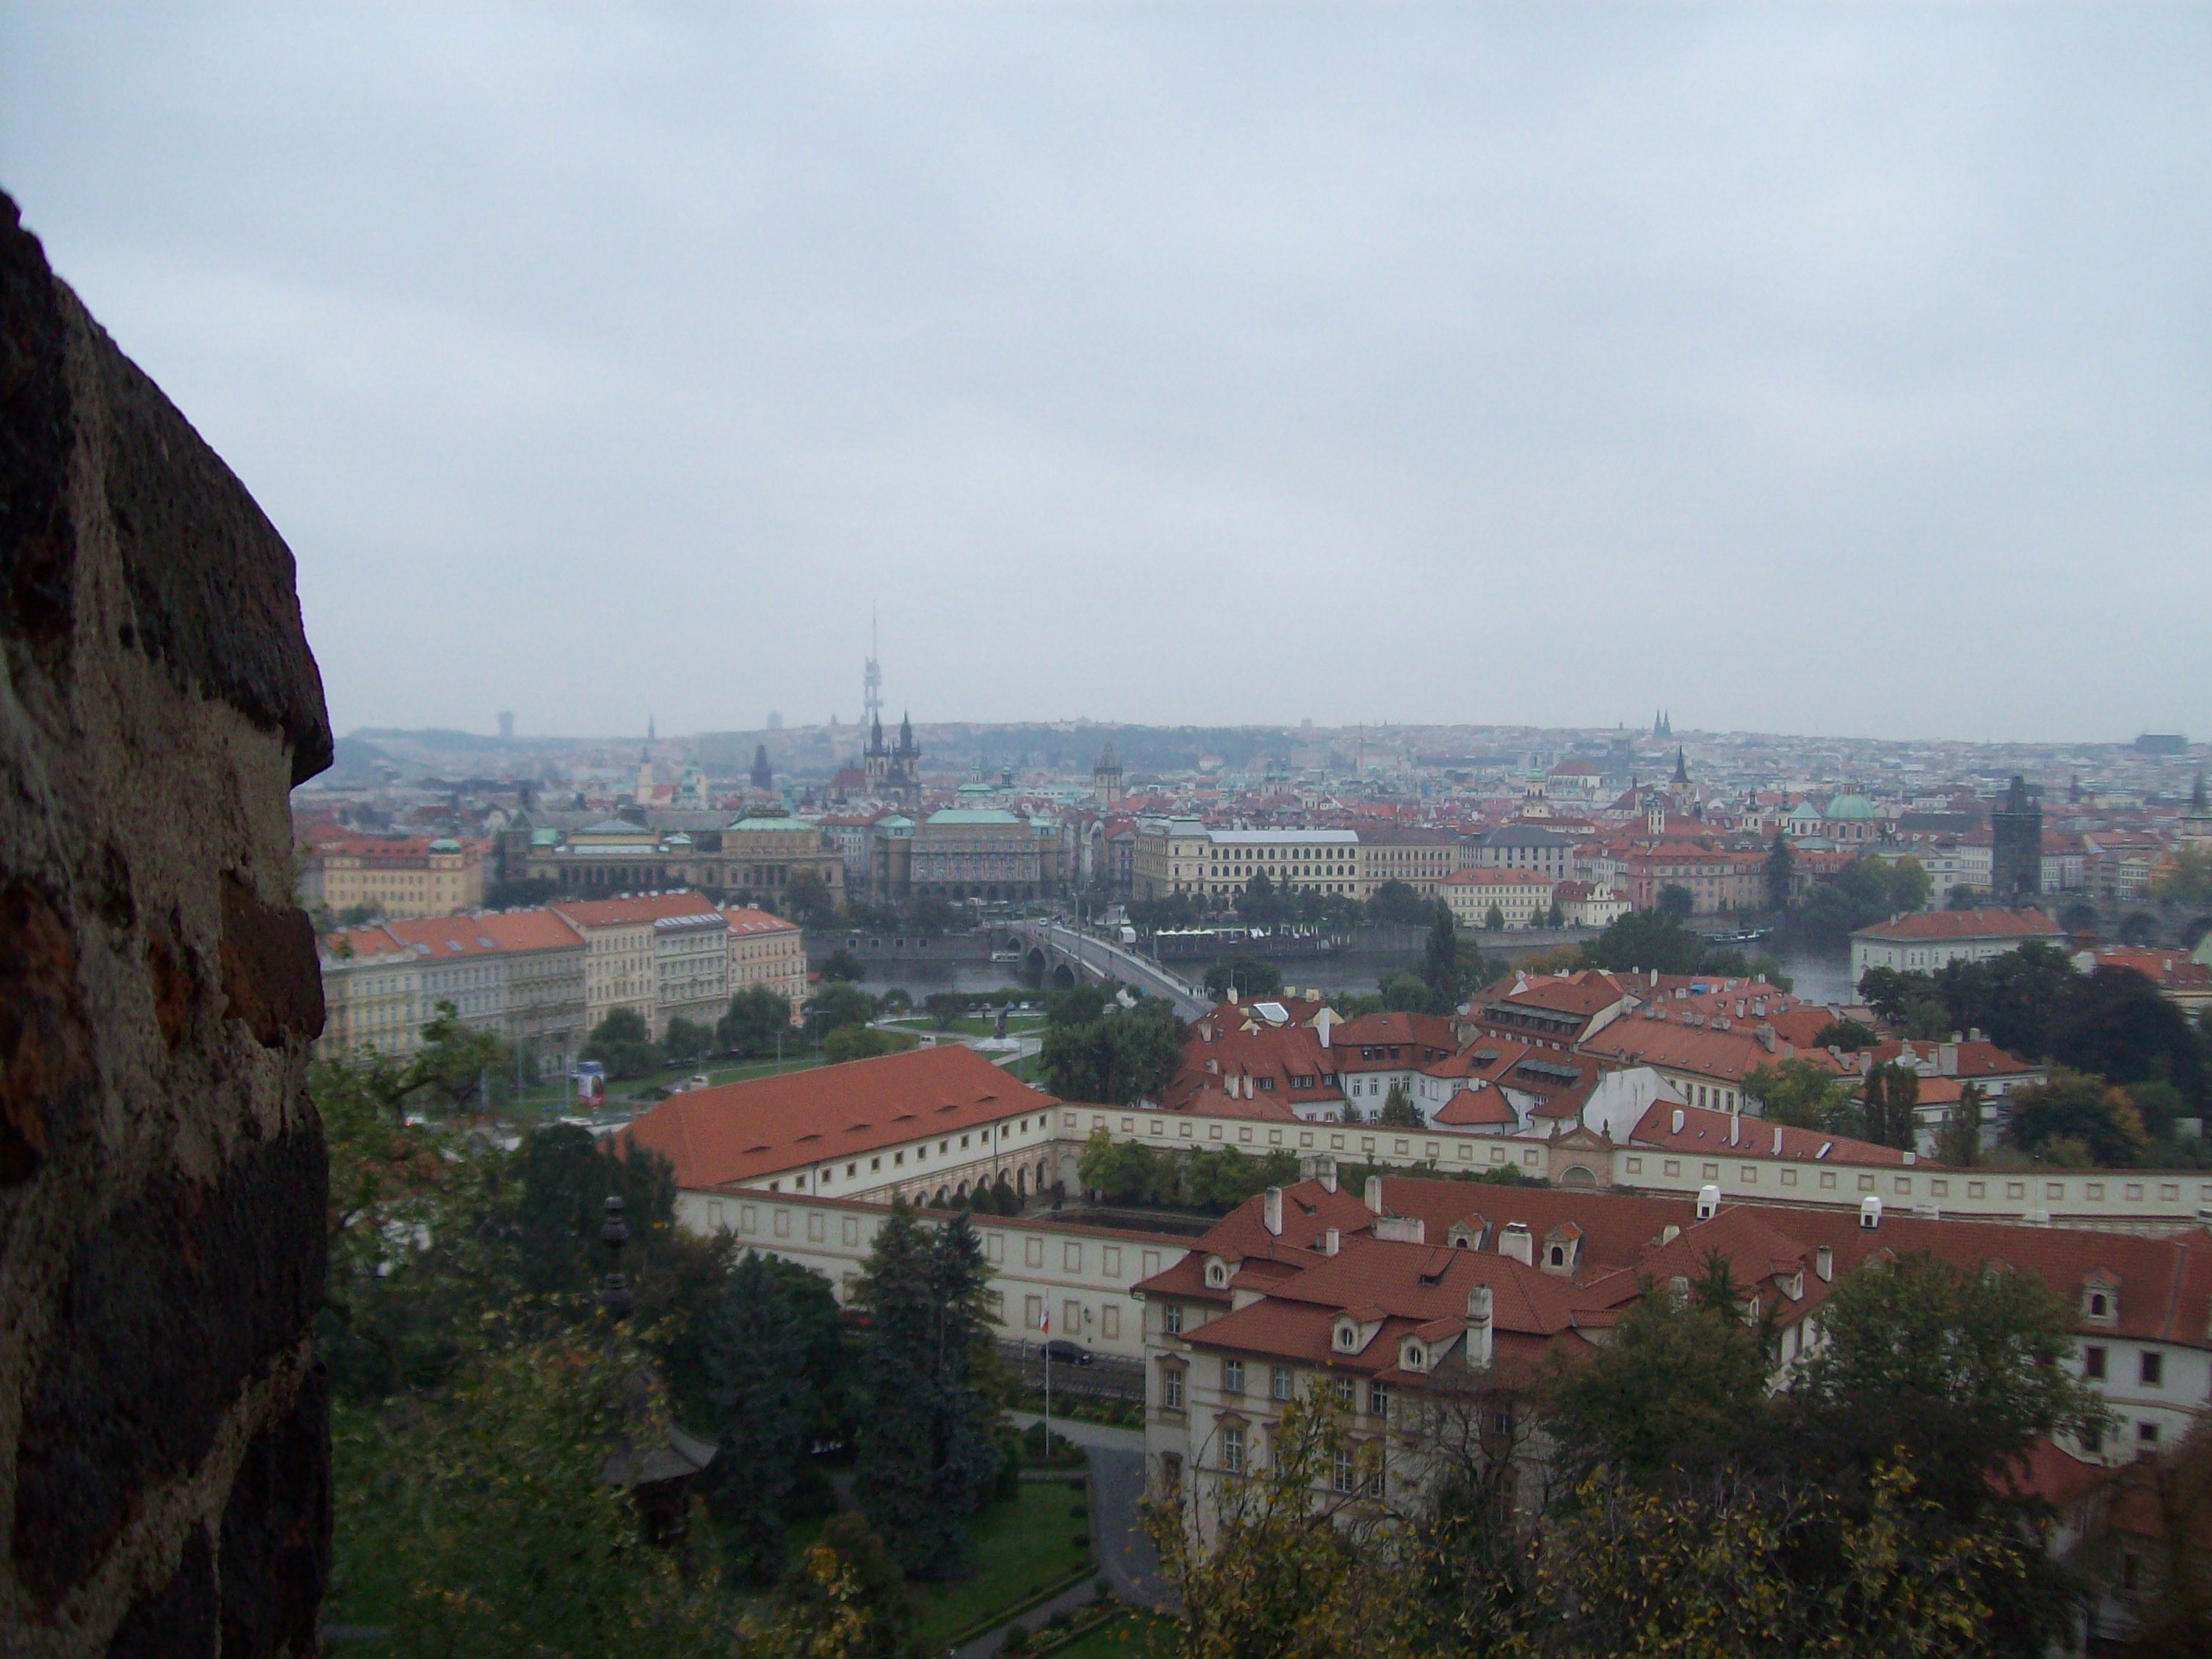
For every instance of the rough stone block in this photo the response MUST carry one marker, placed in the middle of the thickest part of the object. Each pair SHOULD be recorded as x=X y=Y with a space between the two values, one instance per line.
x=164 y=1446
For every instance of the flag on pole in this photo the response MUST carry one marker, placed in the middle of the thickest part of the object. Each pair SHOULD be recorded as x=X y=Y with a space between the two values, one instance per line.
x=1044 y=1320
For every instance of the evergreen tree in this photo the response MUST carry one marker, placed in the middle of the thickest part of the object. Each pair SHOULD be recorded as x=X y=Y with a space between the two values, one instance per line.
x=926 y=1455
x=1399 y=1111
x=1440 y=965
x=1781 y=872
x=1892 y=1092
x=757 y=1384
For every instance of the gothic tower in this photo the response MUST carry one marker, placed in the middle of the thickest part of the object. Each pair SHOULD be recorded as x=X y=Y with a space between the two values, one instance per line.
x=2016 y=849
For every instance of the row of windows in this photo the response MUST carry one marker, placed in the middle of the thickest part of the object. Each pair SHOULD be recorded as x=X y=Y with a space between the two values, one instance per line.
x=2150 y=1366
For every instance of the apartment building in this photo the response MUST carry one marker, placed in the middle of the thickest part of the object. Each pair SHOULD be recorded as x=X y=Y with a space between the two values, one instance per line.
x=1521 y=897
x=766 y=949
x=371 y=994
x=542 y=986
x=1421 y=858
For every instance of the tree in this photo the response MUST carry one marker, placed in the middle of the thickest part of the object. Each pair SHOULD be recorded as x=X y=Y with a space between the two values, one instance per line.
x=2016 y=999
x=1399 y=1111
x=926 y=1455
x=1802 y=1093
x=1250 y=977
x=526 y=893
x=483 y=1522
x=1958 y=1142
x=1441 y=972
x=843 y=1598
x=944 y=1007
x=1848 y=1034
x=1118 y=1057
x=1647 y=939
x=837 y=1004
x=843 y=964
x=456 y=1061
x=1957 y=1373
x=1861 y=893
x=622 y=1043
x=1674 y=1390
x=757 y=1018
x=1781 y=872
x=686 y=1040
x=1493 y=920
x=1404 y=993
x=808 y=901
x=1259 y=905
x=1892 y=1092
x=1280 y=1561
x=1396 y=902
x=1677 y=901
x=2117 y=1023
x=2078 y=1106
x=756 y=1386
x=1890 y=992
x=2187 y=879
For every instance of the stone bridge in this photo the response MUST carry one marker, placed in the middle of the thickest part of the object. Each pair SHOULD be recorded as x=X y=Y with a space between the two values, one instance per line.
x=2139 y=920
x=1059 y=958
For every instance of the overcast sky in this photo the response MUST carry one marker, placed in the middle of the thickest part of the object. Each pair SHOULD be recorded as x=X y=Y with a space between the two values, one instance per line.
x=1845 y=371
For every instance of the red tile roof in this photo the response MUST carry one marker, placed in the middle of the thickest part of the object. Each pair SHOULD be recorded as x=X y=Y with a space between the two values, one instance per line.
x=1936 y=925
x=630 y=911
x=746 y=921
x=743 y=1131
x=1705 y=1131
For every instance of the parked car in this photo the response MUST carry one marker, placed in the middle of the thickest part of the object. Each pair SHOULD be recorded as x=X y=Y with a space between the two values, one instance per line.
x=1065 y=1353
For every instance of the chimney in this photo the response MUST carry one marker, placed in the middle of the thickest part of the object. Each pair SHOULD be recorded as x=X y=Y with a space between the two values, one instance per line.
x=1478 y=1326
x=1869 y=1213
x=1709 y=1202
x=1374 y=1194
x=1823 y=1263
x=1321 y=1022
x=1515 y=1241
x=1403 y=1229
x=1778 y=1140
x=1669 y=1233
x=1271 y=1211
x=1677 y=1120
x=1766 y=1037
x=1330 y=1241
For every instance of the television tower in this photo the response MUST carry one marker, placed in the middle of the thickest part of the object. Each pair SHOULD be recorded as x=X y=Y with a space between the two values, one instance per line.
x=871 y=684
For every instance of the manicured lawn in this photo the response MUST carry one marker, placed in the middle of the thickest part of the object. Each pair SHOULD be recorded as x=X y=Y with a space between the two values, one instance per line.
x=533 y=1105
x=1020 y=1547
x=1128 y=1636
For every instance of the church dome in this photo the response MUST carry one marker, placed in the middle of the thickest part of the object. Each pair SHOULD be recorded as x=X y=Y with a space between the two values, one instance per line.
x=1850 y=806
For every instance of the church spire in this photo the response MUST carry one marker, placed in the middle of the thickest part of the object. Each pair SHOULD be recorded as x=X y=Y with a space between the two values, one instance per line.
x=1681 y=766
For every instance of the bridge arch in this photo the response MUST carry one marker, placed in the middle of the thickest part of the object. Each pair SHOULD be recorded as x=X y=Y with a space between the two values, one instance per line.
x=2193 y=932
x=2079 y=918
x=2138 y=928
x=1063 y=977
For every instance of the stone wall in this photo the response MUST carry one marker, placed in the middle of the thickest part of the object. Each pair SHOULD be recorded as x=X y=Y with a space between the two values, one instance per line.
x=164 y=1444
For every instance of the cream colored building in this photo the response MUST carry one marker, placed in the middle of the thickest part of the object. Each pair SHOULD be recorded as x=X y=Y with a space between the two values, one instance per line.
x=397 y=878
x=1521 y=897
x=766 y=949
x=656 y=954
x=371 y=994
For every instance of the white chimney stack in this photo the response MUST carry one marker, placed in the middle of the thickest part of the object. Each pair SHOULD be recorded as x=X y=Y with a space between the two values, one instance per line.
x=1870 y=1213
x=1479 y=1345
x=1515 y=1241
x=1678 y=1120
x=1709 y=1202
x=1330 y=1241
x=1374 y=1194
x=1271 y=1211
x=1823 y=1263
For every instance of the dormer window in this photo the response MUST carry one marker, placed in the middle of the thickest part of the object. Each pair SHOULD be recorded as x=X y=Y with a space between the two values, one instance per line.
x=1412 y=1356
x=2101 y=1298
x=1347 y=1335
x=1558 y=1255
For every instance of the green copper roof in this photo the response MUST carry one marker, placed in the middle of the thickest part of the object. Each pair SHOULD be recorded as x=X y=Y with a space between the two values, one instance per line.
x=1850 y=806
x=956 y=815
x=771 y=823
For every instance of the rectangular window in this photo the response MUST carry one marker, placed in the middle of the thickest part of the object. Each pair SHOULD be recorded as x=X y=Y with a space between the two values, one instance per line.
x=1279 y=1382
x=1032 y=1312
x=1033 y=1252
x=1110 y=1322
x=1378 y=1400
x=1171 y=1319
x=1070 y=1258
x=2092 y=1363
x=1171 y=1387
x=1071 y=1318
x=2153 y=1371
x=1113 y=1261
x=1232 y=1376
x=1343 y=1482
x=1232 y=1448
